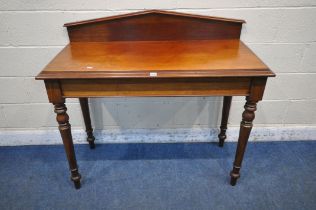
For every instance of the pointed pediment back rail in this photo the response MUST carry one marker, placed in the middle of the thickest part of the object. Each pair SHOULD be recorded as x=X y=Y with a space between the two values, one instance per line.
x=154 y=25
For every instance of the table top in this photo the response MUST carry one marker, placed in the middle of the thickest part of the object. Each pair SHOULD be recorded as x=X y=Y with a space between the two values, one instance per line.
x=141 y=59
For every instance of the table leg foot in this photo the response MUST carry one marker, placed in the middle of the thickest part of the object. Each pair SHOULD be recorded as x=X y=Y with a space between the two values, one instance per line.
x=234 y=175
x=75 y=177
x=90 y=140
x=233 y=181
x=221 y=140
x=77 y=184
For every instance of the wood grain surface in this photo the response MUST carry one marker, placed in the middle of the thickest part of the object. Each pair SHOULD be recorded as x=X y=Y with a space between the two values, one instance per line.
x=195 y=58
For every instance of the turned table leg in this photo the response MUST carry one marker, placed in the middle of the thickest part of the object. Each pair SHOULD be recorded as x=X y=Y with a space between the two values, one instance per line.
x=225 y=113
x=87 y=121
x=65 y=132
x=245 y=128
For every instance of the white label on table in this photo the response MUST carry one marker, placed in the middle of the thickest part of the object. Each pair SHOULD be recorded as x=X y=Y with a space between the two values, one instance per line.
x=153 y=74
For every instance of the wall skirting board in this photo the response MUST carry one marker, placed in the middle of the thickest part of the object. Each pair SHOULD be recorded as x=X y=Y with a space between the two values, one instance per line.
x=49 y=137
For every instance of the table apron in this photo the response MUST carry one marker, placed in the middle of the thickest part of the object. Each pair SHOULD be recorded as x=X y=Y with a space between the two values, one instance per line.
x=155 y=87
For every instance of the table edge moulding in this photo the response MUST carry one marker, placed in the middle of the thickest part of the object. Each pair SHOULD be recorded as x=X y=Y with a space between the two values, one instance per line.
x=155 y=53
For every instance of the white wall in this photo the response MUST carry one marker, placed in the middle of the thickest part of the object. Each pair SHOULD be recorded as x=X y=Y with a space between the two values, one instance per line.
x=282 y=33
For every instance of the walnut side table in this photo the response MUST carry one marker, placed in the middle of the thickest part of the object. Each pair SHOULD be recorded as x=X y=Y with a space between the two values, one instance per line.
x=155 y=53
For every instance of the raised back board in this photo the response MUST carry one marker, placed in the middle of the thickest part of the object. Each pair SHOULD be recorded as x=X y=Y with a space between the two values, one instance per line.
x=154 y=25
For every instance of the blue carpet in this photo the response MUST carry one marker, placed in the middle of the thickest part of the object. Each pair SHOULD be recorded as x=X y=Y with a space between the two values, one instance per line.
x=275 y=175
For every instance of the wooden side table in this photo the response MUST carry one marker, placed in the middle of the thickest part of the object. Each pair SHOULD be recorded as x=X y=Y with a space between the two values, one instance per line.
x=155 y=53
